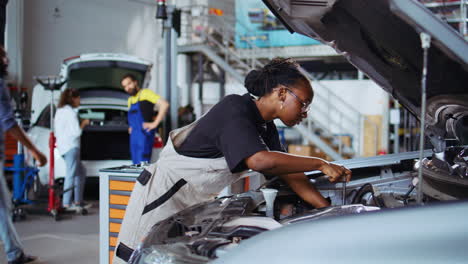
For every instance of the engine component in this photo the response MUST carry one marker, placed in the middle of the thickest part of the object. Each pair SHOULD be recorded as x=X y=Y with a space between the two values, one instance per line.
x=366 y=195
x=269 y=195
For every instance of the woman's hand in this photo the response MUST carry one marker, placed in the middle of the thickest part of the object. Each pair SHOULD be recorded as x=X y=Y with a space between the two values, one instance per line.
x=336 y=172
x=84 y=123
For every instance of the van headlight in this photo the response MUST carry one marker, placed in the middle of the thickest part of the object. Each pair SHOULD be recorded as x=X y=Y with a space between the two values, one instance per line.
x=177 y=253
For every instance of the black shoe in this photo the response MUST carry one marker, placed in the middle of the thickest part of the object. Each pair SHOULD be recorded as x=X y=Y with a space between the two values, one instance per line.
x=22 y=259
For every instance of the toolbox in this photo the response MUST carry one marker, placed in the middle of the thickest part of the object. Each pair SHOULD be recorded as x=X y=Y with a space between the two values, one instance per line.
x=115 y=187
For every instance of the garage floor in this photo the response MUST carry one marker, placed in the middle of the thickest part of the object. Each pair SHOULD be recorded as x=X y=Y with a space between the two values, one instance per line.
x=72 y=240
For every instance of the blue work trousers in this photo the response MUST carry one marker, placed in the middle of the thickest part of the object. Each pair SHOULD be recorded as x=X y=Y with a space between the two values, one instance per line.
x=11 y=242
x=74 y=179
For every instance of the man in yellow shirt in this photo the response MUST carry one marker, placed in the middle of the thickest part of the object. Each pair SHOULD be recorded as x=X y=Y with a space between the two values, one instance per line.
x=141 y=117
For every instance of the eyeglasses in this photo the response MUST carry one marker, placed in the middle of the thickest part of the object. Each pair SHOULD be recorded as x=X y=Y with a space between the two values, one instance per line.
x=305 y=106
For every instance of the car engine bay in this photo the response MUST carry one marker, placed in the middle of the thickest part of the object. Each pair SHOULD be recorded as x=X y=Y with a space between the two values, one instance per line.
x=206 y=231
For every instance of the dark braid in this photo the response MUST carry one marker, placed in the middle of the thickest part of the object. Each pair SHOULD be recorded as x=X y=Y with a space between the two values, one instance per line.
x=279 y=71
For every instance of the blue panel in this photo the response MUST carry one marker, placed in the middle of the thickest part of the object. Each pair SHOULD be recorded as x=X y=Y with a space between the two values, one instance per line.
x=257 y=26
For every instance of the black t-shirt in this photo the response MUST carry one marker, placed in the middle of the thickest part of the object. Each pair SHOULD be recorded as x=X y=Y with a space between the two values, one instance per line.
x=233 y=128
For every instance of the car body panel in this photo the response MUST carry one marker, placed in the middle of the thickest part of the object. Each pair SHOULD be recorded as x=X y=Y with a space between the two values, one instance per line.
x=40 y=137
x=392 y=236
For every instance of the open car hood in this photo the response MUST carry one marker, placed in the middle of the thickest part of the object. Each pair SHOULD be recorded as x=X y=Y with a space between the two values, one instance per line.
x=93 y=72
x=381 y=38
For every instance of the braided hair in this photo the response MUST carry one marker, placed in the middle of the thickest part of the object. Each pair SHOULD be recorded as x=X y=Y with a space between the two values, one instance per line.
x=279 y=71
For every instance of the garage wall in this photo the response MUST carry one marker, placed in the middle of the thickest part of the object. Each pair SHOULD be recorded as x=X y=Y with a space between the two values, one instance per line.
x=14 y=38
x=365 y=95
x=57 y=29
x=368 y=98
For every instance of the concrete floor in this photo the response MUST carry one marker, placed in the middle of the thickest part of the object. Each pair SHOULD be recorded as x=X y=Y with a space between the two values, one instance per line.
x=73 y=240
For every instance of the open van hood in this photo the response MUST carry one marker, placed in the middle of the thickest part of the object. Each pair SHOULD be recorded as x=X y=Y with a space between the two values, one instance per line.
x=381 y=38
x=102 y=71
x=97 y=76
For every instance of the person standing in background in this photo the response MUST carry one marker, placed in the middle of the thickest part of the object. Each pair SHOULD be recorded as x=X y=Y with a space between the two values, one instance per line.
x=11 y=242
x=68 y=130
x=141 y=118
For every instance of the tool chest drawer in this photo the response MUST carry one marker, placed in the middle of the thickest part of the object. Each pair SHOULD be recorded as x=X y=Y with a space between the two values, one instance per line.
x=115 y=188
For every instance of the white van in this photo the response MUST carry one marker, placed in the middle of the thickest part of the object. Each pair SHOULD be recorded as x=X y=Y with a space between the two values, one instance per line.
x=105 y=142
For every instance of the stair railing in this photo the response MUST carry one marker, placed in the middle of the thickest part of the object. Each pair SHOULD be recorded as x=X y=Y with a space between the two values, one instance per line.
x=330 y=113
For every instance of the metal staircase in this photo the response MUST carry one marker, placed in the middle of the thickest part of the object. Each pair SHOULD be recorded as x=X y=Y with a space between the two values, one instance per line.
x=330 y=119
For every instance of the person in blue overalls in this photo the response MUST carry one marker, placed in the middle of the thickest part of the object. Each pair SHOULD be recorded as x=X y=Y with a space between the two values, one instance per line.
x=142 y=120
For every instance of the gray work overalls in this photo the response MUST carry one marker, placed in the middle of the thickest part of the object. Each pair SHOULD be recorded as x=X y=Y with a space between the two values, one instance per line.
x=168 y=186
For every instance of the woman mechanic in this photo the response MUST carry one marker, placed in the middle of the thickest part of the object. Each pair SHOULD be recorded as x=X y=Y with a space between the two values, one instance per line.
x=236 y=135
